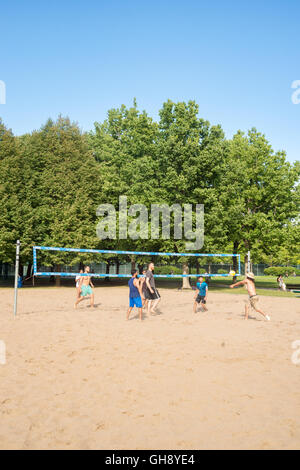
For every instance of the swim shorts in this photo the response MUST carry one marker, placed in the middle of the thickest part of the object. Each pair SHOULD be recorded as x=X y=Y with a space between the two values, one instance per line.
x=152 y=295
x=135 y=302
x=253 y=301
x=86 y=290
x=200 y=299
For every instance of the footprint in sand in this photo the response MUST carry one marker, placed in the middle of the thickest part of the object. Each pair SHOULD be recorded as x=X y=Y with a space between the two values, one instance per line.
x=100 y=426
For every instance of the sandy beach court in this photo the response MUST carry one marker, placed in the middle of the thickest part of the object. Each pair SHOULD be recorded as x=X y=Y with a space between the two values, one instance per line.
x=87 y=379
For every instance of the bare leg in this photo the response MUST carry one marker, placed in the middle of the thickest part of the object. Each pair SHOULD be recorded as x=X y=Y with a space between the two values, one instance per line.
x=92 y=300
x=195 y=307
x=128 y=313
x=155 y=303
x=262 y=313
x=78 y=292
x=78 y=300
x=204 y=307
x=149 y=305
x=141 y=313
x=246 y=312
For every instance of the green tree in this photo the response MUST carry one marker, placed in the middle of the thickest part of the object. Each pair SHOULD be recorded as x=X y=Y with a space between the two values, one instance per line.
x=258 y=194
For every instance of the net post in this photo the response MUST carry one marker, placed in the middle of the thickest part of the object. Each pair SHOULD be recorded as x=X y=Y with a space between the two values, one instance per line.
x=34 y=265
x=16 y=276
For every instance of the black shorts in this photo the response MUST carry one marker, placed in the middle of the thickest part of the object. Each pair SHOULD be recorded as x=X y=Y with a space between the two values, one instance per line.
x=200 y=299
x=152 y=296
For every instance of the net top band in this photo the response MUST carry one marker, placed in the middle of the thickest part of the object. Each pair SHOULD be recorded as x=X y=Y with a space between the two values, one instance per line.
x=121 y=252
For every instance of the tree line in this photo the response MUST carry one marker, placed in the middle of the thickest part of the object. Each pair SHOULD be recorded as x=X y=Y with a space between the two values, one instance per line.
x=53 y=179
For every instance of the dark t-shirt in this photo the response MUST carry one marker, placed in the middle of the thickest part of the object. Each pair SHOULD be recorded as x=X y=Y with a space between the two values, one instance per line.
x=150 y=276
x=144 y=286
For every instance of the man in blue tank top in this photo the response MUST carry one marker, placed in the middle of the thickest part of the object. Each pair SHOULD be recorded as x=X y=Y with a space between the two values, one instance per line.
x=135 y=294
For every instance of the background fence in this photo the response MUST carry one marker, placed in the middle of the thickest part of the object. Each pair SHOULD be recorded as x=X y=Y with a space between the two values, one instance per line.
x=7 y=271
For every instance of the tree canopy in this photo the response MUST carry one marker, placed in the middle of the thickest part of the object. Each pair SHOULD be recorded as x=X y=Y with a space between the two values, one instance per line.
x=53 y=179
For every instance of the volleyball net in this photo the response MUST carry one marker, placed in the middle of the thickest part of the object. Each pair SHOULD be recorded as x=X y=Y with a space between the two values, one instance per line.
x=119 y=263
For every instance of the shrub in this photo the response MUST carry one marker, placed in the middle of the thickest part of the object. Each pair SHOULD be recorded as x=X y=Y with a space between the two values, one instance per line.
x=167 y=270
x=277 y=270
x=222 y=271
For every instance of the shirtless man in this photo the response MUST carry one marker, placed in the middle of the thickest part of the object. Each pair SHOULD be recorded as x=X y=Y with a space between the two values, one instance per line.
x=249 y=283
x=86 y=286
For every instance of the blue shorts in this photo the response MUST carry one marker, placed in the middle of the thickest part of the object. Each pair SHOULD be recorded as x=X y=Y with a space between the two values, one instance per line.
x=135 y=302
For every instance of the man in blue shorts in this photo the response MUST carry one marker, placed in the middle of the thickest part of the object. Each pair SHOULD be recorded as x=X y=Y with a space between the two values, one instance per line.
x=135 y=294
x=202 y=294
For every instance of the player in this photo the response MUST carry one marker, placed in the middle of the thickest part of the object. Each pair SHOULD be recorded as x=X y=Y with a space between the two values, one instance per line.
x=143 y=285
x=86 y=286
x=77 y=281
x=152 y=294
x=201 y=297
x=249 y=283
x=135 y=294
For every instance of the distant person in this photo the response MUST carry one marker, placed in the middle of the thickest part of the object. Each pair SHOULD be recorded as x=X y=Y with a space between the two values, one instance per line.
x=135 y=294
x=86 y=287
x=281 y=283
x=20 y=281
x=249 y=283
x=201 y=297
x=152 y=294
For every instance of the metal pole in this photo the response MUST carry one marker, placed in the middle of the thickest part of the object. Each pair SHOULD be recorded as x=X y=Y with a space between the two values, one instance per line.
x=16 y=276
x=239 y=258
x=248 y=262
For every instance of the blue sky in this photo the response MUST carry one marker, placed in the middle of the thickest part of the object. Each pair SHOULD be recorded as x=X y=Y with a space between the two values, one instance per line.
x=80 y=58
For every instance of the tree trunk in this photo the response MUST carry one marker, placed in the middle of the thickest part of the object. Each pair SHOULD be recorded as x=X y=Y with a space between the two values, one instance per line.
x=132 y=263
x=29 y=269
x=107 y=271
x=140 y=268
x=246 y=263
x=185 y=280
x=234 y=258
x=57 y=278
x=21 y=270
x=5 y=271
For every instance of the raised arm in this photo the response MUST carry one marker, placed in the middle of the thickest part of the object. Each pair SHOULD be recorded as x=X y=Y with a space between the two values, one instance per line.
x=240 y=283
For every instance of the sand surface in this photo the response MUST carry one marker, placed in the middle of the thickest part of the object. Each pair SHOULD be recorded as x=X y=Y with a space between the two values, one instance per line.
x=87 y=379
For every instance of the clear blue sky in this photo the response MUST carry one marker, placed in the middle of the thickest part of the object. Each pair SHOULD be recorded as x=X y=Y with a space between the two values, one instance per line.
x=237 y=59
